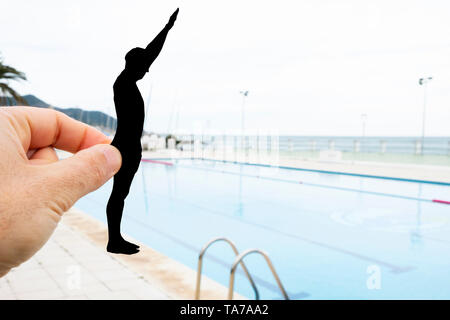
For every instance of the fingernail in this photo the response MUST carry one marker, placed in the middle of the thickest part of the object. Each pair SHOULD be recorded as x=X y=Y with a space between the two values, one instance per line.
x=113 y=157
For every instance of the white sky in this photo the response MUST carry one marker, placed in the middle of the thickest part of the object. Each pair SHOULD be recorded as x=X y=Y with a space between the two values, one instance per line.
x=312 y=67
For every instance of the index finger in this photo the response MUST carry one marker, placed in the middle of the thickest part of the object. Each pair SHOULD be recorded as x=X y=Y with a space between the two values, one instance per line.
x=39 y=128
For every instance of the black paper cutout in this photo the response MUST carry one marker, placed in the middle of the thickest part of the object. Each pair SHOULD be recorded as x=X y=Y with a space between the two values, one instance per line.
x=130 y=121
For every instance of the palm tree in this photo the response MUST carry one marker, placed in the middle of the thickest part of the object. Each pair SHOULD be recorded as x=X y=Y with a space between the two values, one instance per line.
x=9 y=73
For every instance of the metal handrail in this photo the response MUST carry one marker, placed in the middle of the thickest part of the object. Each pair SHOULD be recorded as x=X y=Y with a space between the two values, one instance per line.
x=200 y=264
x=269 y=263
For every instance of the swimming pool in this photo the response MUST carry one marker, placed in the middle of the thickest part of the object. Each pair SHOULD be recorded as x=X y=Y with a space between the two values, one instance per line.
x=329 y=236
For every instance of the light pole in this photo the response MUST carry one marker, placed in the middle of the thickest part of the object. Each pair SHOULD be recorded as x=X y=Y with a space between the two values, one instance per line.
x=241 y=204
x=244 y=95
x=423 y=82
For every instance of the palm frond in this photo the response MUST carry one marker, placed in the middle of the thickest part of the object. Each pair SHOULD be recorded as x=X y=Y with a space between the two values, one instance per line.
x=7 y=92
x=7 y=72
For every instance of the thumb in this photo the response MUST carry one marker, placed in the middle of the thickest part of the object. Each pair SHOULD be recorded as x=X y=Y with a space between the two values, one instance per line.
x=84 y=172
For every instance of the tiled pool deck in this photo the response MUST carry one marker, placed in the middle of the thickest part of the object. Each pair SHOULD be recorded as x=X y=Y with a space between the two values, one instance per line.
x=71 y=267
x=74 y=264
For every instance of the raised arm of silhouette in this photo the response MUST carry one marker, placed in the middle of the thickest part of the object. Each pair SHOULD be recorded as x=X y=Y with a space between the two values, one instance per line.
x=130 y=121
x=154 y=48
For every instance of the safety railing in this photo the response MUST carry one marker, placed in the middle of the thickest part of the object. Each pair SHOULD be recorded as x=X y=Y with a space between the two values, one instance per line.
x=239 y=260
x=200 y=265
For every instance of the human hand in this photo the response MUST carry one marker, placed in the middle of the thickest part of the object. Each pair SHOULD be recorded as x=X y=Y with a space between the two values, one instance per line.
x=35 y=188
x=173 y=17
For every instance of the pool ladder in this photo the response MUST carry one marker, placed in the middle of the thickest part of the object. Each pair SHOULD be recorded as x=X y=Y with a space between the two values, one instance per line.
x=237 y=261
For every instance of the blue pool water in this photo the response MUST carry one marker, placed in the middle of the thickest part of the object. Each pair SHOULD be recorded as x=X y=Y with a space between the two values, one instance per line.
x=329 y=236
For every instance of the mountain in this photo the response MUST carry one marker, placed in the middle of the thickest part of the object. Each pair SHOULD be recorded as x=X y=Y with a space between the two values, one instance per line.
x=34 y=101
x=97 y=119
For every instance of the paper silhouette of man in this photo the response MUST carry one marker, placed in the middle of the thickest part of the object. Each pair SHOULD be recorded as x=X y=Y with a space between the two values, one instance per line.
x=130 y=121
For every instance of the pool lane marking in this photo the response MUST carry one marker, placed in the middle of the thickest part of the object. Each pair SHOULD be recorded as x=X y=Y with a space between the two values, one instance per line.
x=441 y=201
x=330 y=172
x=158 y=162
x=392 y=267
x=318 y=185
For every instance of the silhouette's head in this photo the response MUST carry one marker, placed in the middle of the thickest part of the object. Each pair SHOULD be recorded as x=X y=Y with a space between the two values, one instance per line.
x=136 y=62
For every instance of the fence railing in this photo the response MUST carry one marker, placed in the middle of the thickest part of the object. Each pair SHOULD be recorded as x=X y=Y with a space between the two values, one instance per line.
x=380 y=145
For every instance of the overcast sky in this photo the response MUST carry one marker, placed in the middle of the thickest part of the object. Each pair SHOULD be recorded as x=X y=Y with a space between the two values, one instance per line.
x=312 y=67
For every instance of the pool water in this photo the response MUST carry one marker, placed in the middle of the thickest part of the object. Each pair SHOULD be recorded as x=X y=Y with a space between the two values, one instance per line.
x=329 y=236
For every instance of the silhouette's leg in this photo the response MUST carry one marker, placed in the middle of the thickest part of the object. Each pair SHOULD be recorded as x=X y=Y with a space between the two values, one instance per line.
x=114 y=211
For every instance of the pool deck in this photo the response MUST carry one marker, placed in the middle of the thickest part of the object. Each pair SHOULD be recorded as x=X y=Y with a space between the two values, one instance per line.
x=431 y=173
x=74 y=264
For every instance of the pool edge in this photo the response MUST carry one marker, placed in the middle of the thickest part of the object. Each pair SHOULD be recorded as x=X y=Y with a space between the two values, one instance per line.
x=170 y=276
